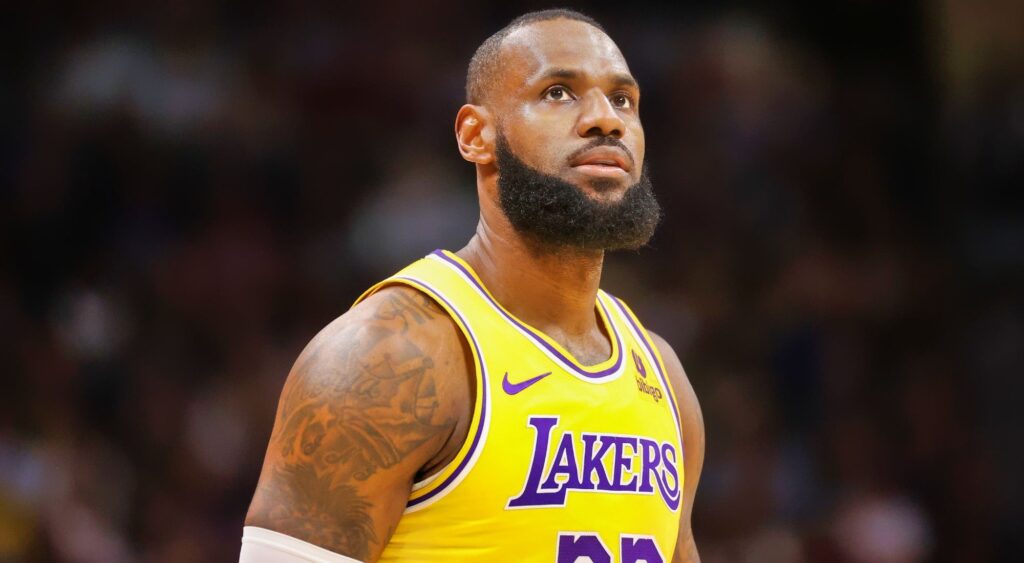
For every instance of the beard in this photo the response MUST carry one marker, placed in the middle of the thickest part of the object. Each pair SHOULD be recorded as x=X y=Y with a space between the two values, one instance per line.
x=556 y=213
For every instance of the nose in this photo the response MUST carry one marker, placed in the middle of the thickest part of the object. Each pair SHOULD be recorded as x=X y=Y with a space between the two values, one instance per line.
x=599 y=118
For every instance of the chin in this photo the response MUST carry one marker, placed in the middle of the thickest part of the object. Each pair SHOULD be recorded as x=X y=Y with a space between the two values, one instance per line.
x=603 y=189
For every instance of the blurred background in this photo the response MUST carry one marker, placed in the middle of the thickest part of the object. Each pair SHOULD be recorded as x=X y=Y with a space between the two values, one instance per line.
x=190 y=190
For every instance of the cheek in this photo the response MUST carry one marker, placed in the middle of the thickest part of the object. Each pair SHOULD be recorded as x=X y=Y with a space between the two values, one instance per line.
x=541 y=139
x=637 y=144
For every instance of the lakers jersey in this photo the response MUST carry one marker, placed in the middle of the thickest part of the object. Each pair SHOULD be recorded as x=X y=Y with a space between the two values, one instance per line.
x=562 y=461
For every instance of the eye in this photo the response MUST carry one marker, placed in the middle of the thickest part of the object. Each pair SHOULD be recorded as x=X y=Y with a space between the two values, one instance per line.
x=557 y=94
x=621 y=100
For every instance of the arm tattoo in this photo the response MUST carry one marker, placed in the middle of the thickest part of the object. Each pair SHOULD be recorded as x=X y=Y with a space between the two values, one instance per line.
x=345 y=415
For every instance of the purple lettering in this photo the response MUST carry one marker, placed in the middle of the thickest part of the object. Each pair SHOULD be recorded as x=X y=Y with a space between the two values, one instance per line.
x=531 y=496
x=622 y=464
x=651 y=457
x=564 y=464
x=635 y=549
x=670 y=494
x=573 y=547
x=592 y=463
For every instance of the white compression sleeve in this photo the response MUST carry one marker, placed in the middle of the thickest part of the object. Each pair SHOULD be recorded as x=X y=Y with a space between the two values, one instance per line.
x=260 y=545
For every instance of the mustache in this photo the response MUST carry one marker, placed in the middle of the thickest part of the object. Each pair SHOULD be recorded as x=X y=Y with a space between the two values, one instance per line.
x=601 y=142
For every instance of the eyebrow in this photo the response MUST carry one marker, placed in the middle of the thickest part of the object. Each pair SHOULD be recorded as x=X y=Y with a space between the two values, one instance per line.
x=571 y=74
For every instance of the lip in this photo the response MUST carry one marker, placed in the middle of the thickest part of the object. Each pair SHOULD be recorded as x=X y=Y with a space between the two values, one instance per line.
x=601 y=171
x=606 y=159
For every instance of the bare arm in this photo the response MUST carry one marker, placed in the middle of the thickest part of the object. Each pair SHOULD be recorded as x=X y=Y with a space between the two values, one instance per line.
x=379 y=398
x=692 y=422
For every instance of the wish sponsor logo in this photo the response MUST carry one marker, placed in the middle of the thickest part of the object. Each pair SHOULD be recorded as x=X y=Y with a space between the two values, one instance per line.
x=641 y=379
x=592 y=462
x=649 y=389
x=641 y=368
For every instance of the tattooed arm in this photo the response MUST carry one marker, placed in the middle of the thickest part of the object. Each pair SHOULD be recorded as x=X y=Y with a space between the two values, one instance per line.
x=379 y=399
x=692 y=423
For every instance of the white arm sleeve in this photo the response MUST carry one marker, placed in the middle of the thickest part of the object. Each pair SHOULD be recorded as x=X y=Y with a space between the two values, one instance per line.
x=260 y=545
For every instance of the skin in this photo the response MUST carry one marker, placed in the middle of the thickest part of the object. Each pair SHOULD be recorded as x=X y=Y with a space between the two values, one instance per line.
x=383 y=396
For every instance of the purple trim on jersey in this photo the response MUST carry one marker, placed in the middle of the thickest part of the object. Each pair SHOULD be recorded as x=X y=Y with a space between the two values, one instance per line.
x=537 y=338
x=483 y=400
x=654 y=356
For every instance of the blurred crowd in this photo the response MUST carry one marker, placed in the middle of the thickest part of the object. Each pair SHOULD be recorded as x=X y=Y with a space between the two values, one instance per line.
x=189 y=191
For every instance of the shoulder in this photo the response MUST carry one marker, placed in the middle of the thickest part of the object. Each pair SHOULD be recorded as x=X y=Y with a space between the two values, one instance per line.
x=393 y=310
x=397 y=342
x=378 y=397
x=396 y=330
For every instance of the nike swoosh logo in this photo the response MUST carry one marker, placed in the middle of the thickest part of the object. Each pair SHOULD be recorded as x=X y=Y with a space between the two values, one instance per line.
x=513 y=388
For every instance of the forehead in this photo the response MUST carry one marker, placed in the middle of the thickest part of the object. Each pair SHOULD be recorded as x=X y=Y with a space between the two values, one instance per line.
x=560 y=43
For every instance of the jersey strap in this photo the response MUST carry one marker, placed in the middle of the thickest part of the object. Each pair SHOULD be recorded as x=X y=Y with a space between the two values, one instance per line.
x=651 y=350
x=429 y=278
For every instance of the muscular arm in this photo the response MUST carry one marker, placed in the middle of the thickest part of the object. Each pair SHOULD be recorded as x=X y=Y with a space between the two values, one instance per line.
x=378 y=399
x=693 y=447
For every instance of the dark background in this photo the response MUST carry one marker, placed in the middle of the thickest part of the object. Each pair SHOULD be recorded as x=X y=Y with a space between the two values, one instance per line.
x=189 y=191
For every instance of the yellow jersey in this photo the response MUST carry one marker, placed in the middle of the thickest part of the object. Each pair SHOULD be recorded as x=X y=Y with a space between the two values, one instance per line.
x=562 y=461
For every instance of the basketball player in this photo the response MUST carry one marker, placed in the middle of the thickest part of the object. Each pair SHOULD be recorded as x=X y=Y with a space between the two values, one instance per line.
x=493 y=404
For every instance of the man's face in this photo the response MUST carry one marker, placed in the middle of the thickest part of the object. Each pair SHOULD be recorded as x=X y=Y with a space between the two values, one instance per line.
x=563 y=88
x=570 y=146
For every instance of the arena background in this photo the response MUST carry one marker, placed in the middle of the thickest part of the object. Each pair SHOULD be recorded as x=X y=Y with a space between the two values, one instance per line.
x=190 y=191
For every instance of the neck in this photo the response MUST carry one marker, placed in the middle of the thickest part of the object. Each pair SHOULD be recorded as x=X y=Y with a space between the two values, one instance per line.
x=552 y=289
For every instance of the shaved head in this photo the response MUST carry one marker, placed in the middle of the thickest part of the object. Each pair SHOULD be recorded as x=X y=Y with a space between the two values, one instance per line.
x=486 y=61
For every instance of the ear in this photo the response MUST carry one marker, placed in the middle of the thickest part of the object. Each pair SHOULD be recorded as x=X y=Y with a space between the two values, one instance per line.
x=474 y=132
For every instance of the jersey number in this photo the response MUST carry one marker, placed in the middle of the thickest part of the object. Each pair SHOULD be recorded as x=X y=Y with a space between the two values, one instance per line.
x=587 y=547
